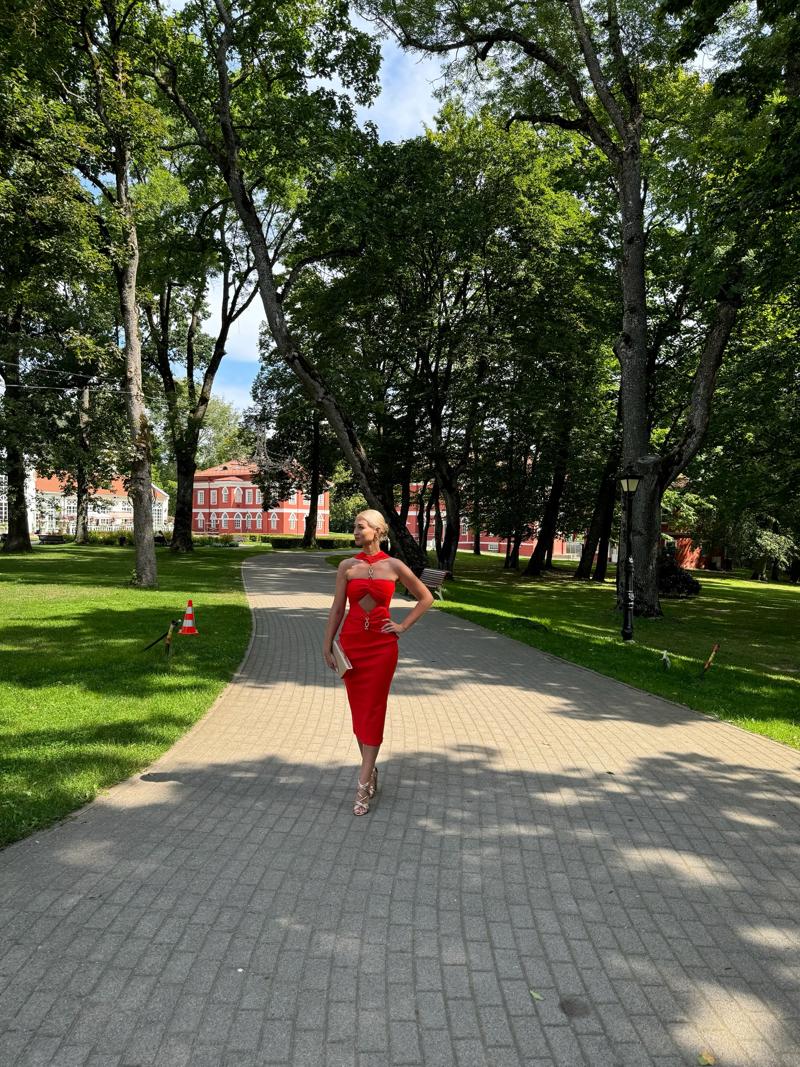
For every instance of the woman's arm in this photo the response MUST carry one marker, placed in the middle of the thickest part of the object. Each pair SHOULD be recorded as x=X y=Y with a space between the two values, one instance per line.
x=336 y=614
x=416 y=588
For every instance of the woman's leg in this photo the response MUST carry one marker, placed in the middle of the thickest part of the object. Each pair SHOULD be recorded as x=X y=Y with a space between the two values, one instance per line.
x=369 y=754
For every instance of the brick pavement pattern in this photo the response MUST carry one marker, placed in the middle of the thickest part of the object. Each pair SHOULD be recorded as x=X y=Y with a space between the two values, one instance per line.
x=560 y=870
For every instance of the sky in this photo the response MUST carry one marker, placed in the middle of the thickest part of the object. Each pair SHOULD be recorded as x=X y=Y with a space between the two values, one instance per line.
x=404 y=106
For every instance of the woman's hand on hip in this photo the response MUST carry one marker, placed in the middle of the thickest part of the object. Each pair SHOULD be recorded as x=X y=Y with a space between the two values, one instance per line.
x=391 y=627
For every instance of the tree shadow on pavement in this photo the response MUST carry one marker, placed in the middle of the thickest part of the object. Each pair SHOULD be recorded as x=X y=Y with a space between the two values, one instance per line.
x=559 y=917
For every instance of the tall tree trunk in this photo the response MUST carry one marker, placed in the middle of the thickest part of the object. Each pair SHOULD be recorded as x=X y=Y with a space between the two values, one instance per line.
x=549 y=523
x=185 y=466
x=633 y=357
x=424 y=526
x=604 y=543
x=18 y=537
x=452 y=527
x=645 y=539
x=140 y=486
x=514 y=544
x=310 y=534
x=81 y=472
x=438 y=526
x=601 y=516
x=476 y=541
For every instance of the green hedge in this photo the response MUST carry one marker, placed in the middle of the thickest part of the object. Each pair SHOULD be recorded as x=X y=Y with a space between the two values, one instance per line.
x=111 y=537
x=295 y=541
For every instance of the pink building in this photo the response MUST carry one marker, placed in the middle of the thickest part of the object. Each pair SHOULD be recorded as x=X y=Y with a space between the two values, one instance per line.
x=226 y=500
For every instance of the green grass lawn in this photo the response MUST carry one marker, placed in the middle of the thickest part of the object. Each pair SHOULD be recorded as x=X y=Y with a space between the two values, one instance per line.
x=753 y=682
x=81 y=705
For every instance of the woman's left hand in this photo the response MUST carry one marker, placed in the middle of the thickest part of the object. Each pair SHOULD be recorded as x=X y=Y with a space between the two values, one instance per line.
x=390 y=627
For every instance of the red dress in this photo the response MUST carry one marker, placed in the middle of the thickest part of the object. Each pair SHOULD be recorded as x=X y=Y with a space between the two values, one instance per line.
x=372 y=653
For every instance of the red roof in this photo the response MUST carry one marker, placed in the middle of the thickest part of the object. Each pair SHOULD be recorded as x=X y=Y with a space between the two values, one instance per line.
x=56 y=485
x=234 y=468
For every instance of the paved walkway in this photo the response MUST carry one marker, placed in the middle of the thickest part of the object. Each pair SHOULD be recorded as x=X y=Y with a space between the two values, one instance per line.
x=560 y=871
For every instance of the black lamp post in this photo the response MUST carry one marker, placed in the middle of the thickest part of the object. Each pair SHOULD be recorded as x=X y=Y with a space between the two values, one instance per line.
x=630 y=483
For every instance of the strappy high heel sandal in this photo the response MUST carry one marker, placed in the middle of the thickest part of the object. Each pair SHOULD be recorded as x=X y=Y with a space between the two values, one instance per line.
x=373 y=783
x=363 y=797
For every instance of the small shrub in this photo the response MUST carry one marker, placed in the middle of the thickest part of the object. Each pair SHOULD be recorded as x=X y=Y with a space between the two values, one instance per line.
x=123 y=538
x=674 y=581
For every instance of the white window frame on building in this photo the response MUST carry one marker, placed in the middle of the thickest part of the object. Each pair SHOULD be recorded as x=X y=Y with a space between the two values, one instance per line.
x=214 y=522
x=248 y=496
x=224 y=520
x=200 y=522
x=237 y=521
x=293 y=521
x=213 y=496
x=237 y=495
x=273 y=520
x=200 y=496
x=224 y=495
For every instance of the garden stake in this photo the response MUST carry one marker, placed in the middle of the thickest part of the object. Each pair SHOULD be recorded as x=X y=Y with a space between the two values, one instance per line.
x=710 y=659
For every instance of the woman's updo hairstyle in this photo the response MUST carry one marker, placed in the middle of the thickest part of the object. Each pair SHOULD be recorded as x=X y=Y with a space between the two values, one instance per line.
x=374 y=519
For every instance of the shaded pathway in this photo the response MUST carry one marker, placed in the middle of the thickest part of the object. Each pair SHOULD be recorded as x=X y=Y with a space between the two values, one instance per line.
x=540 y=830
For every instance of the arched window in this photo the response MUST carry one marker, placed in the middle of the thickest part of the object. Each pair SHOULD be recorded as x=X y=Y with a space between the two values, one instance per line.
x=225 y=496
x=237 y=522
x=200 y=522
x=258 y=519
x=237 y=495
x=214 y=521
x=249 y=521
x=293 y=521
x=273 y=520
x=225 y=520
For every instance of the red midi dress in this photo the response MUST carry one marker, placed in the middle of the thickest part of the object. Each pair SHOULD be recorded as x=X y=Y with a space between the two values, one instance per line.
x=372 y=653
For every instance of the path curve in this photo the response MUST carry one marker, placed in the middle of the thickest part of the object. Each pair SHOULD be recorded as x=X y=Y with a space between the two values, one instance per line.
x=560 y=870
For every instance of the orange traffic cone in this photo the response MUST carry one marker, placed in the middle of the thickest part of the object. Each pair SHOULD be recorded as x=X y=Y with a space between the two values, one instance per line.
x=188 y=622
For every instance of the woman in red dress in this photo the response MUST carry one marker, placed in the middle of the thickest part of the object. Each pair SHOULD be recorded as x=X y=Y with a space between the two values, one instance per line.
x=369 y=638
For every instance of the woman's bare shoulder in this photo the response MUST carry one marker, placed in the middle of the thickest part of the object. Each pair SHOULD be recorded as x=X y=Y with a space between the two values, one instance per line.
x=346 y=564
x=400 y=569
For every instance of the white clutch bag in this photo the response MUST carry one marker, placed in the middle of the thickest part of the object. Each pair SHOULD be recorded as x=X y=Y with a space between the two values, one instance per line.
x=343 y=664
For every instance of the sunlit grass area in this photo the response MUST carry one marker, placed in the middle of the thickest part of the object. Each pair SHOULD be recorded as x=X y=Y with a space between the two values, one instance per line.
x=82 y=706
x=753 y=682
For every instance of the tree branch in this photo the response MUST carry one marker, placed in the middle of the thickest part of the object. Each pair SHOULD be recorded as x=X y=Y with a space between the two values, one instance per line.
x=599 y=82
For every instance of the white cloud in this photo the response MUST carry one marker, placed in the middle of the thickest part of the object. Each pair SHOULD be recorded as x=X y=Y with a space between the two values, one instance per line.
x=408 y=79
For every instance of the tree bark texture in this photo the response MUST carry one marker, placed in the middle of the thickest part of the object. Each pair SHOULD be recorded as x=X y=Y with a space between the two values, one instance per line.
x=81 y=479
x=186 y=466
x=310 y=534
x=549 y=523
x=18 y=537
x=140 y=486
x=601 y=518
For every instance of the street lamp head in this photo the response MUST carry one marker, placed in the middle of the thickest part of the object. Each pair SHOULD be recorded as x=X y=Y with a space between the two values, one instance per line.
x=629 y=480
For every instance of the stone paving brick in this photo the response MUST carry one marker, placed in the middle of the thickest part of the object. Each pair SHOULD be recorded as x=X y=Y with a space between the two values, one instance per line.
x=232 y=912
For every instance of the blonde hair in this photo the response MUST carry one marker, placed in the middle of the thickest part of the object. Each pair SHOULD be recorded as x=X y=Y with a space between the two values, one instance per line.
x=374 y=519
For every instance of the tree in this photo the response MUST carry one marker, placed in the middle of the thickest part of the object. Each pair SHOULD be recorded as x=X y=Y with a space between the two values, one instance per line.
x=293 y=447
x=602 y=70
x=189 y=242
x=245 y=78
x=50 y=274
x=82 y=59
